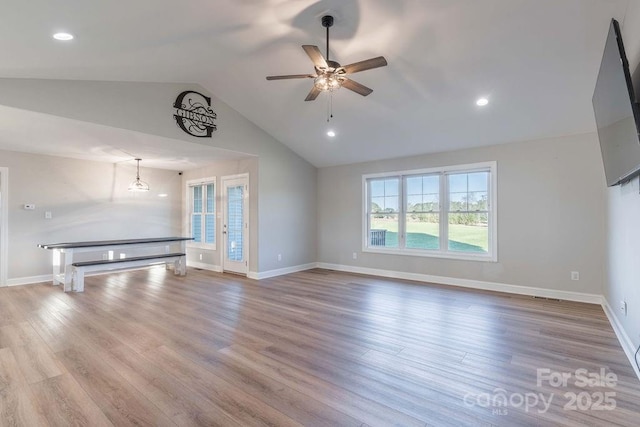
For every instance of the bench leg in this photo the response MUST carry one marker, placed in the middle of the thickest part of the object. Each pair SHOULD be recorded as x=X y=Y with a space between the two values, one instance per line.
x=78 y=280
x=180 y=266
x=68 y=285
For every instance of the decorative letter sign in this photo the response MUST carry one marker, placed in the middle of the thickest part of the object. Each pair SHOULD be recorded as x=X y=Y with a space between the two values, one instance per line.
x=194 y=115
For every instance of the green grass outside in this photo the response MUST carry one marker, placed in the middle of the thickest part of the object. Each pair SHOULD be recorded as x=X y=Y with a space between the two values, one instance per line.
x=424 y=235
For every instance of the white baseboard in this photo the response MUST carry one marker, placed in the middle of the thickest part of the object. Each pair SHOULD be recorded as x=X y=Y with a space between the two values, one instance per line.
x=281 y=271
x=204 y=266
x=467 y=283
x=623 y=338
x=30 y=280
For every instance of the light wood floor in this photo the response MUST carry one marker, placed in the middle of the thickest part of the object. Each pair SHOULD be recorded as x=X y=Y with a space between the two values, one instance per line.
x=315 y=348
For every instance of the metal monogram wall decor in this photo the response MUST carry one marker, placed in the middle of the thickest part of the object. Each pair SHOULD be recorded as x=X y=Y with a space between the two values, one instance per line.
x=194 y=115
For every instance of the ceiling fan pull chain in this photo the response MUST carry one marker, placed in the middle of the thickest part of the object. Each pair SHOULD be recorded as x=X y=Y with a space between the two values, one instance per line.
x=331 y=104
x=330 y=107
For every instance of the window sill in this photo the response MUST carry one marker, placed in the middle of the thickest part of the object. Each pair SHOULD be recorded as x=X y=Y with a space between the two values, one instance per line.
x=206 y=246
x=434 y=254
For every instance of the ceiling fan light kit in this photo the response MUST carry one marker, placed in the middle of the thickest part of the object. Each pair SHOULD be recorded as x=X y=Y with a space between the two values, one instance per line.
x=330 y=75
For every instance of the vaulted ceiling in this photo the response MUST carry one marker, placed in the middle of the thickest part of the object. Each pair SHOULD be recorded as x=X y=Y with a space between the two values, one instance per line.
x=536 y=61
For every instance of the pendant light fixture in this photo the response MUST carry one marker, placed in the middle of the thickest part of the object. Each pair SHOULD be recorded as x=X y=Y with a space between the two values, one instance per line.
x=138 y=185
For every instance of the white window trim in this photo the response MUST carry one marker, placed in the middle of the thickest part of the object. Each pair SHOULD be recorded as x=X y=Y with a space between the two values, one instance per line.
x=201 y=181
x=491 y=256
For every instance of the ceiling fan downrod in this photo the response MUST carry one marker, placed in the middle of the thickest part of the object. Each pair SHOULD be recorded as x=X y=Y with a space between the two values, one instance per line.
x=327 y=22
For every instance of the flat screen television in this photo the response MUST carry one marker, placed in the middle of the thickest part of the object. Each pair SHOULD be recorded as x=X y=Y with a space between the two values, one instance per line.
x=617 y=113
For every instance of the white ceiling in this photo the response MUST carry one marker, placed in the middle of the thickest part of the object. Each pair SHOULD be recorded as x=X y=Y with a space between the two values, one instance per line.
x=536 y=61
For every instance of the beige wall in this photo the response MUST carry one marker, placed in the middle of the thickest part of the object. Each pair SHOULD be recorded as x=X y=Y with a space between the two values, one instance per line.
x=88 y=201
x=550 y=215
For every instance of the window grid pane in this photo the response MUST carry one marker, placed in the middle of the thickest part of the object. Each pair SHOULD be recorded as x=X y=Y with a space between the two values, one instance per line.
x=383 y=230
x=203 y=219
x=197 y=199
x=211 y=197
x=468 y=192
x=209 y=228
x=423 y=193
x=196 y=227
x=423 y=231
x=468 y=232
x=384 y=195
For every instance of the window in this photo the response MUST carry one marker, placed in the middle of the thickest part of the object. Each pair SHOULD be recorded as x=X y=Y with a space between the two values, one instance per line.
x=202 y=212
x=445 y=212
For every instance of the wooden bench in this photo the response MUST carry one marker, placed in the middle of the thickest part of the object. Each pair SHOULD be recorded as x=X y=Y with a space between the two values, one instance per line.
x=79 y=268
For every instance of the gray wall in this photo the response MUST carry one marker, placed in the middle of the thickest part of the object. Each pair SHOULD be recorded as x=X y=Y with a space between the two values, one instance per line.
x=623 y=225
x=550 y=215
x=288 y=211
x=88 y=201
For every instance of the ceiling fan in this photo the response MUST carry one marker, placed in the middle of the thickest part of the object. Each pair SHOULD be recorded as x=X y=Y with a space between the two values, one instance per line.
x=330 y=75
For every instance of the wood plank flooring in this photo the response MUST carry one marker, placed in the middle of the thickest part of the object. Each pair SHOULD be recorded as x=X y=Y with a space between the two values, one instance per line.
x=315 y=348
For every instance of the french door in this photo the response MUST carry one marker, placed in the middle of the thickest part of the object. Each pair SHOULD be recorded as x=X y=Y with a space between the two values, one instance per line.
x=235 y=224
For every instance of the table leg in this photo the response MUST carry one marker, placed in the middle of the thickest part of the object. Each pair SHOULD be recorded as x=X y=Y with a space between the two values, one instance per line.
x=56 y=267
x=68 y=269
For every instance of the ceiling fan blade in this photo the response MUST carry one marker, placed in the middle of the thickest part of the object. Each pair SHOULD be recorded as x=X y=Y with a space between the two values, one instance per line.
x=365 y=65
x=356 y=87
x=313 y=94
x=291 y=76
x=315 y=55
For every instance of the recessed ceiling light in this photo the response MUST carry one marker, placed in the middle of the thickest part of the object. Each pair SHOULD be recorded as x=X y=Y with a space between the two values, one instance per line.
x=63 y=36
x=482 y=102
x=163 y=195
x=331 y=134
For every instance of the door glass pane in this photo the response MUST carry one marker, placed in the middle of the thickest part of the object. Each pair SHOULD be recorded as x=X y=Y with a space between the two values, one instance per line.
x=235 y=222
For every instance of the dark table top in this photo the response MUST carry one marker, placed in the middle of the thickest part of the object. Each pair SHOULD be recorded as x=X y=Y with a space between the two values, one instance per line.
x=98 y=243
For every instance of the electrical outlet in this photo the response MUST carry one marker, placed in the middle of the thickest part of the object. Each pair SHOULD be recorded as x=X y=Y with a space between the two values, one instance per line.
x=47 y=215
x=623 y=307
x=200 y=257
x=279 y=257
x=355 y=255
x=575 y=275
